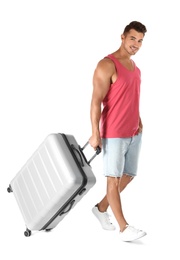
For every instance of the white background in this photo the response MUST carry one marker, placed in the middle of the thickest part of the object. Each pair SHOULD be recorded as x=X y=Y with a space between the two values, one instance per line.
x=48 y=52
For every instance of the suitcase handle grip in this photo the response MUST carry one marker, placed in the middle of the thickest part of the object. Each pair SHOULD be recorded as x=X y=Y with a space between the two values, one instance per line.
x=82 y=164
x=98 y=150
x=70 y=207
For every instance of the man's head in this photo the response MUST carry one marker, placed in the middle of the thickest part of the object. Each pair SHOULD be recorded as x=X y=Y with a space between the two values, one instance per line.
x=132 y=37
x=137 y=26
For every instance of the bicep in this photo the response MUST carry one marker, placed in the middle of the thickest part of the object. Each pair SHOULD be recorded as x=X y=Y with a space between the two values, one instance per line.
x=101 y=83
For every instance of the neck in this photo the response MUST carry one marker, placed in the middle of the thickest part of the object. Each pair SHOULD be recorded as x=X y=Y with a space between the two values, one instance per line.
x=121 y=53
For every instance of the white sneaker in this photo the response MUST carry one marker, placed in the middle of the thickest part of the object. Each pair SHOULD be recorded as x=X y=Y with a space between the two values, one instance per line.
x=131 y=233
x=103 y=218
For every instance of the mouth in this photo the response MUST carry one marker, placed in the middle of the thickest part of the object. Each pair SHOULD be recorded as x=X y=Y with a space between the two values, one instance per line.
x=134 y=49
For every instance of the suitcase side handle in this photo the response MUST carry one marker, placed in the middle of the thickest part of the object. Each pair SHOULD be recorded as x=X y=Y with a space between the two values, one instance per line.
x=70 y=207
x=98 y=151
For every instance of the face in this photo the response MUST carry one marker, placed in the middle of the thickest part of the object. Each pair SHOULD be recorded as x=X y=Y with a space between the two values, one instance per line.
x=132 y=41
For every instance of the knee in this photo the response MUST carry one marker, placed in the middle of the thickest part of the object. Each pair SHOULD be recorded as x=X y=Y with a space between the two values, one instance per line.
x=125 y=180
x=128 y=178
x=112 y=183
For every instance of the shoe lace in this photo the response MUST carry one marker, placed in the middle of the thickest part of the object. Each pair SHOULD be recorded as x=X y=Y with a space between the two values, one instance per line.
x=134 y=229
x=107 y=218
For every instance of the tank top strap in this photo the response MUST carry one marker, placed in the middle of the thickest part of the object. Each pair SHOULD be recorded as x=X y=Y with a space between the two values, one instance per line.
x=116 y=62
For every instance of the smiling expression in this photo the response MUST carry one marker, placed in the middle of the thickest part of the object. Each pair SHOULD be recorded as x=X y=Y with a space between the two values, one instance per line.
x=132 y=41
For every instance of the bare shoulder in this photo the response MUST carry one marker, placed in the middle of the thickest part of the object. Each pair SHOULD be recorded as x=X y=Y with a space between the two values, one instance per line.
x=102 y=77
x=105 y=65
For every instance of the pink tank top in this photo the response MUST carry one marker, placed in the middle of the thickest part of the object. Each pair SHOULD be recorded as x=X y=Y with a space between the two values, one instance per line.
x=120 y=114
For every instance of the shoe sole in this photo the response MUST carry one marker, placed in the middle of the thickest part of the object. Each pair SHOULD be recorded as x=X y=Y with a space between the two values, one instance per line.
x=140 y=236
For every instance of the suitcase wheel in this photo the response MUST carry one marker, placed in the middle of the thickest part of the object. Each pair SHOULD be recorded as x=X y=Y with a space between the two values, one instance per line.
x=9 y=189
x=27 y=233
x=48 y=229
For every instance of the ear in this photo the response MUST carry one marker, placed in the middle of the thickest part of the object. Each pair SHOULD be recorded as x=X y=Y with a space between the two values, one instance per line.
x=122 y=36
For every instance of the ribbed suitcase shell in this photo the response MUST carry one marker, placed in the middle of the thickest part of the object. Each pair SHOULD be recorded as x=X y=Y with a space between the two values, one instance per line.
x=52 y=181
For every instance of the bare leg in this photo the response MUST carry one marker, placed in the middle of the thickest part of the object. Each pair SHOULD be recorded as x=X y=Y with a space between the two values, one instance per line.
x=124 y=181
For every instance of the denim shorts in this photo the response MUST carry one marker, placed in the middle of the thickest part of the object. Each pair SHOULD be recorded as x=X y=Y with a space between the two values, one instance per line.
x=120 y=155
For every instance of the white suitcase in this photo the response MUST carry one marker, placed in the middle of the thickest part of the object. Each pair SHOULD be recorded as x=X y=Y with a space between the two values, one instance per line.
x=52 y=181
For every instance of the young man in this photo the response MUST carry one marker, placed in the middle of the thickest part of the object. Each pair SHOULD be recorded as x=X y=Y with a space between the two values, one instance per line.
x=117 y=128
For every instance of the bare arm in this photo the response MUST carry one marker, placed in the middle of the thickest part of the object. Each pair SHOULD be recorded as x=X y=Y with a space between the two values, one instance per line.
x=140 y=125
x=101 y=83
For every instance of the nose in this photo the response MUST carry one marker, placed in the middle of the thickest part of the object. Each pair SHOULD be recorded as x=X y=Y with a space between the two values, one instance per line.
x=136 y=44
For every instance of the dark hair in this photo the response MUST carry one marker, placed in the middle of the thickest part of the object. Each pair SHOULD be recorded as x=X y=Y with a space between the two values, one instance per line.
x=139 y=27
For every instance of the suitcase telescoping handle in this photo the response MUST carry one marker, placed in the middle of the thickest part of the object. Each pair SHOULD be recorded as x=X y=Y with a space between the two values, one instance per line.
x=98 y=150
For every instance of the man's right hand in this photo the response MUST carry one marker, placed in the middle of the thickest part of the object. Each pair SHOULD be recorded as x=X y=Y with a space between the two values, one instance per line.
x=95 y=141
